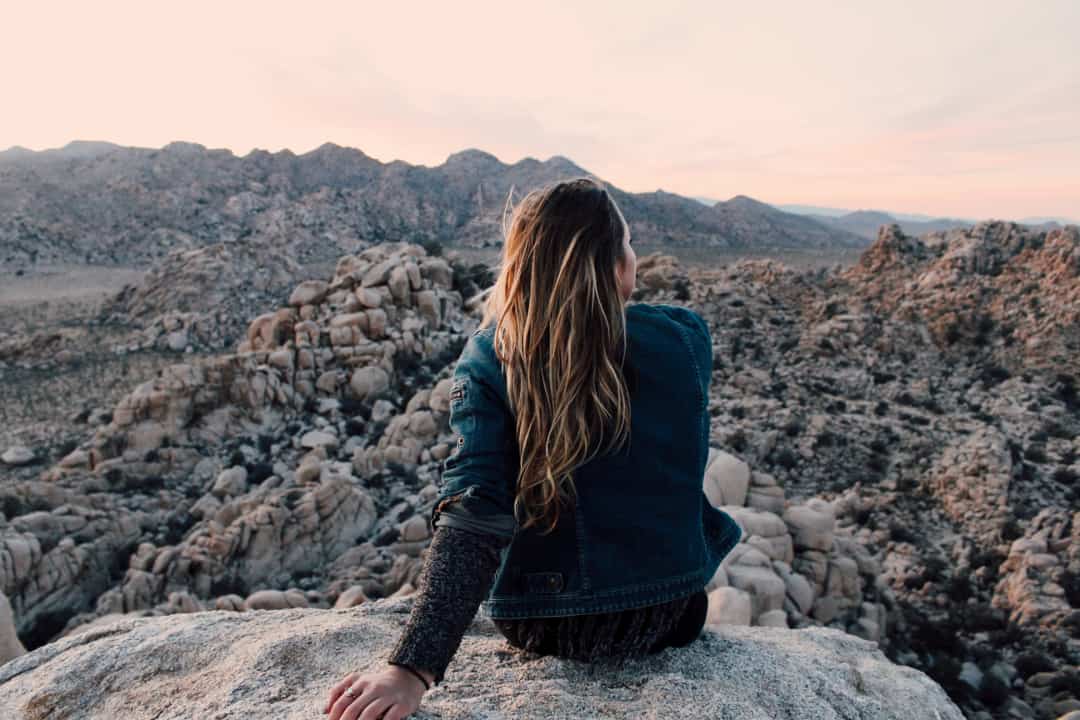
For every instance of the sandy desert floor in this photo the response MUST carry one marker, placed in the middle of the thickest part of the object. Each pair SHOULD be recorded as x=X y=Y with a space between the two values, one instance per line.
x=52 y=293
x=36 y=404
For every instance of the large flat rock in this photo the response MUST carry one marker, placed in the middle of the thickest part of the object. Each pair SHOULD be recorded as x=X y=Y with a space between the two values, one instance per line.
x=281 y=664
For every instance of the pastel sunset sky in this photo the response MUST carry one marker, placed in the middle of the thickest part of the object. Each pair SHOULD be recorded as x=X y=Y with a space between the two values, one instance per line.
x=954 y=108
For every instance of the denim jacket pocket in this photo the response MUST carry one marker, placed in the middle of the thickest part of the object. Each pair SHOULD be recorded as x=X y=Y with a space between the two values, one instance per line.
x=543 y=583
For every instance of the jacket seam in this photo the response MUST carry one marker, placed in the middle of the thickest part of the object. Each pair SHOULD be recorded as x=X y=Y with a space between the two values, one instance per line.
x=611 y=601
x=702 y=399
x=579 y=523
x=631 y=589
x=703 y=404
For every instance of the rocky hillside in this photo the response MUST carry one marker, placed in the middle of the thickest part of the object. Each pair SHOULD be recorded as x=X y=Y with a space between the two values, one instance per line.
x=997 y=295
x=208 y=292
x=105 y=204
x=755 y=224
x=904 y=470
x=931 y=389
x=66 y=362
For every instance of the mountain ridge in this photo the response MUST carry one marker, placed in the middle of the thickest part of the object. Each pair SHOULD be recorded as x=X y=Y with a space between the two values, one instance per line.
x=104 y=204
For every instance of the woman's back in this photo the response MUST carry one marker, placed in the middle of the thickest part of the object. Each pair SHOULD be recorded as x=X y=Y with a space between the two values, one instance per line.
x=640 y=530
x=634 y=529
x=572 y=505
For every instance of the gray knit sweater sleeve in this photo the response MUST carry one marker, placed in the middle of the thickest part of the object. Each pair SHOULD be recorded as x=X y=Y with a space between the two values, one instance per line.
x=457 y=575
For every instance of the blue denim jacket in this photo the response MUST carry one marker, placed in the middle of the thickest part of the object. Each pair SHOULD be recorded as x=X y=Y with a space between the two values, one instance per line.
x=643 y=531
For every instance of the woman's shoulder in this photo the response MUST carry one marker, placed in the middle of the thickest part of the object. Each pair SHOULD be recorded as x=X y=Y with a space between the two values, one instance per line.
x=671 y=313
x=662 y=323
x=479 y=351
x=478 y=356
x=482 y=342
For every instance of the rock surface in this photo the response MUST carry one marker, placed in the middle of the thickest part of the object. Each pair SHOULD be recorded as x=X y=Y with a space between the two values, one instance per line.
x=17 y=455
x=10 y=645
x=282 y=664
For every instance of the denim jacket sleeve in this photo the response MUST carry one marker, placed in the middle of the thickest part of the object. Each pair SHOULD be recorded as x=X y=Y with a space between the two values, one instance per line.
x=480 y=476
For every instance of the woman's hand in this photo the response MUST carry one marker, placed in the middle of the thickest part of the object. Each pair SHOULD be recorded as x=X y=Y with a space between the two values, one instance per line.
x=394 y=690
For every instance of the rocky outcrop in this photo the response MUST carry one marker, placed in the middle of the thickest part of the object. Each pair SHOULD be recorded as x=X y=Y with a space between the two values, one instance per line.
x=282 y=664
x=277 y=447
x=657 y=271
x=208 y=295
x=10 y=645
x=1010 y=291
x=794 y=566
x=54 y=562
x=972 y=479
x=1040 y=578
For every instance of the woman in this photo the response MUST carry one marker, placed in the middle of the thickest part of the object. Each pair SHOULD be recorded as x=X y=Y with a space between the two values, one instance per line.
x=589 y=538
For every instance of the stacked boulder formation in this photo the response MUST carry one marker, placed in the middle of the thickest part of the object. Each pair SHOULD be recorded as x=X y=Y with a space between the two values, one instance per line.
x=794 y=566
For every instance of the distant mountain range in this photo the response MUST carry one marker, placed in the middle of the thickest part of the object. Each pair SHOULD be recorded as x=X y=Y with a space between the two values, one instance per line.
x=837 y=212
x=867 y=222
x=105 y=203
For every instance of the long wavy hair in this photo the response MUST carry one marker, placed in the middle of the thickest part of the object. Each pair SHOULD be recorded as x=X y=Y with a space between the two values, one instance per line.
x=561 y=338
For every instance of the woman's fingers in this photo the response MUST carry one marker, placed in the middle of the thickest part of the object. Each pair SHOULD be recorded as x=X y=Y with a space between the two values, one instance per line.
x=342 y=706
x=373 y=711
x=396 y=712
x=379 y=696
x=336 y=691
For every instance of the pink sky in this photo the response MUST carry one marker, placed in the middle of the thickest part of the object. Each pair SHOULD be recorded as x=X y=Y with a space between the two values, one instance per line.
x=968 y=109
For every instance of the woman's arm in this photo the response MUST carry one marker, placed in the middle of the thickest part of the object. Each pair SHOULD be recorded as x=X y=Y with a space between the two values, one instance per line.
x=472 y=517
x=458 y=573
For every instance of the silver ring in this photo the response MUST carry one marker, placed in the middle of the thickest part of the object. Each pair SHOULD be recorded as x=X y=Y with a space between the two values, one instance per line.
x=350 y=693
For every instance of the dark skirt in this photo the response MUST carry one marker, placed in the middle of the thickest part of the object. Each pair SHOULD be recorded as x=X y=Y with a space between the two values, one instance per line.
x=626 y=633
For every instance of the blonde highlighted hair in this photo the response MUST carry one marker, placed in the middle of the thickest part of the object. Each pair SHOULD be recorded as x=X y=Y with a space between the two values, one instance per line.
x=561 y=337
